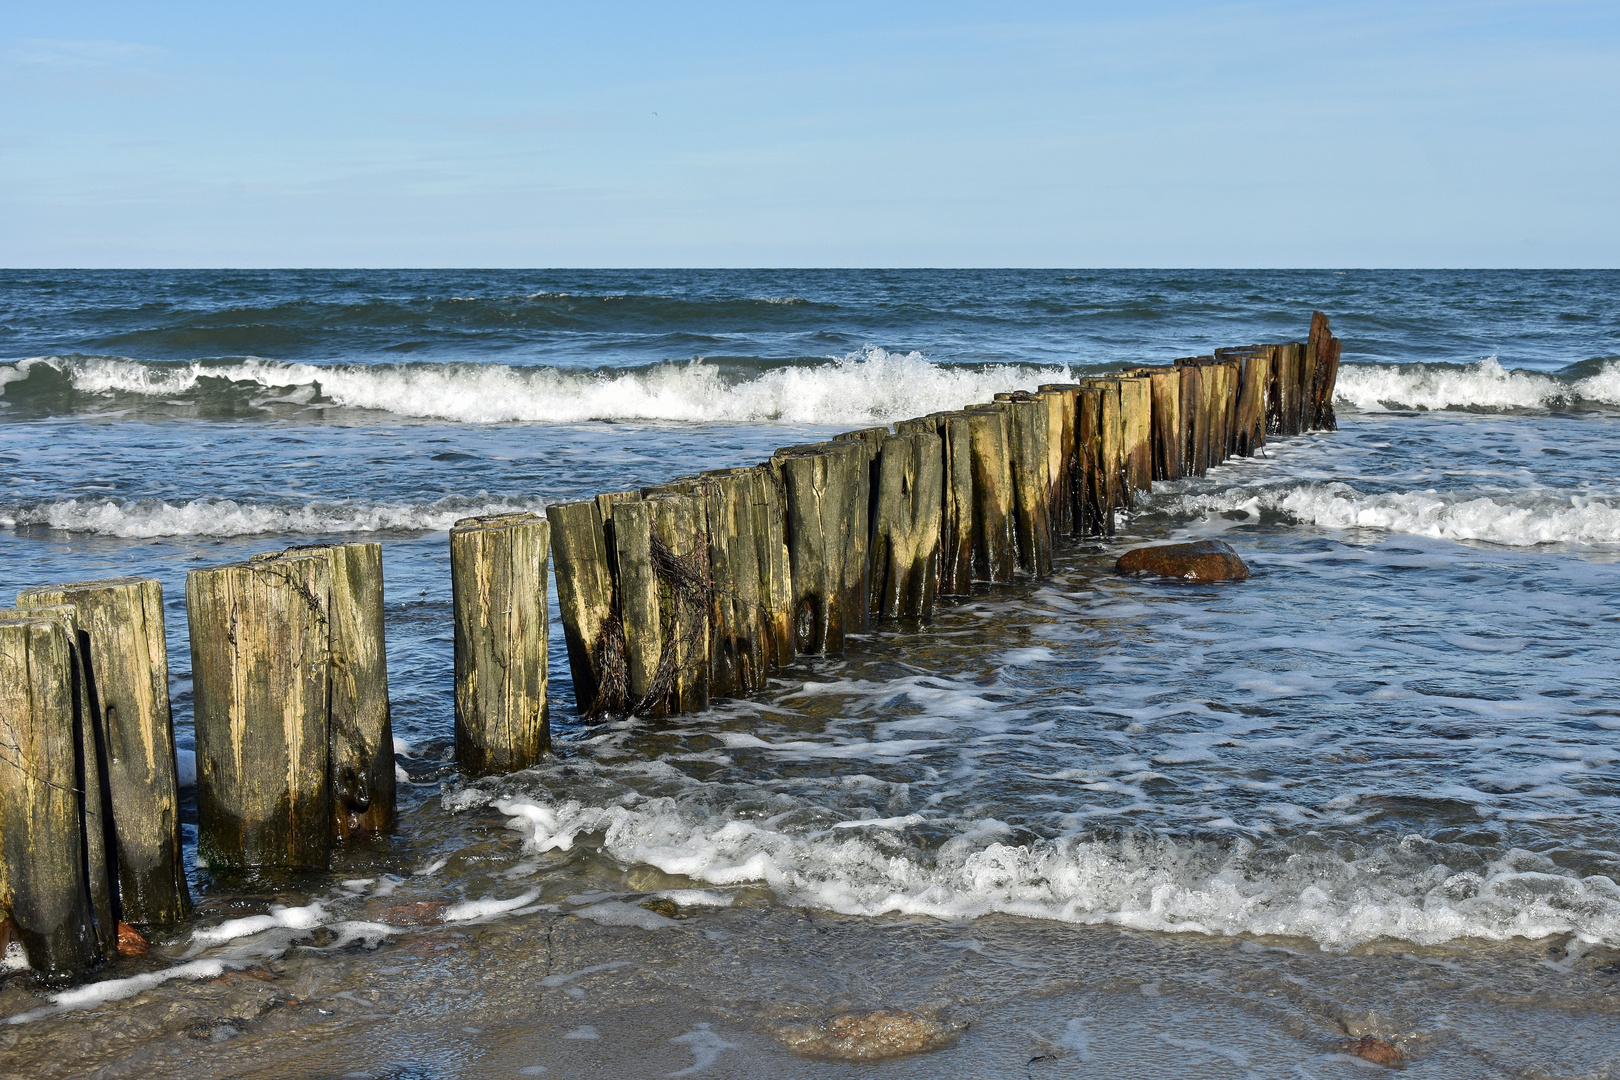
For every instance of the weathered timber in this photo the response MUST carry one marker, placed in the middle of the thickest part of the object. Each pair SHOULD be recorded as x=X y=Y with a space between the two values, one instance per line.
x=1096 y=517
x=1285 y=407
x=579 y=555
x=825 y=487
x=44 y=890
x=1027 y=443
x=741 y=639
x=1114 y=484
x=1165 y=435
x=1328 y=378
x=955 y=566
x=989 y=438
x=122 y=618
x=1136 y=418
x=261 y=672
x=362 y=729
x=858 y=571
x=1062 y=408
x=1254 y=378
x=95 y=797
x=1321 y=370
x=906 y=520
x=680 y=558
x=726 y=664
x=1193 y=421
x=775 y=570
x=498 y=592
x=638 y=606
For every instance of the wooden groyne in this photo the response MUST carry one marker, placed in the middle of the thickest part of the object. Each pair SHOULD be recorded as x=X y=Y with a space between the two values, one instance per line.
x=669 y=596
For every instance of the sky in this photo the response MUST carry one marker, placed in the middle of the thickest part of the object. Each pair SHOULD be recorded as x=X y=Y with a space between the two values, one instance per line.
x=487 y=134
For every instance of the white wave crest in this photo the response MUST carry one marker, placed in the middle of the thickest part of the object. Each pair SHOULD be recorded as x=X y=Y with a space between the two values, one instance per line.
x=1397 y=892
x=869 y=386
x=146 y=518
x=1534 y=517
x=1484 y=385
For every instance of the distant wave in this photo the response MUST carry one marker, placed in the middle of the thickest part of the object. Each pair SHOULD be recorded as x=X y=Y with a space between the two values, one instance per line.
x=868 y=386
x=1520 y=520
x=1485 y=385
x=146 y=518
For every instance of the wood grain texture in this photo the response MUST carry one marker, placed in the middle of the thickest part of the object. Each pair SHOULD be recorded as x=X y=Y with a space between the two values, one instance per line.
x=579 y=554
x=906 y=525
x=989 y=439
x=122 y=619
x=498 y=591
x=261 y=672
x=44 y=889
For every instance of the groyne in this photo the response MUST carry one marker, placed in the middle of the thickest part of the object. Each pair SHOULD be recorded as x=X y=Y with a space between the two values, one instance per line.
x=669 y=596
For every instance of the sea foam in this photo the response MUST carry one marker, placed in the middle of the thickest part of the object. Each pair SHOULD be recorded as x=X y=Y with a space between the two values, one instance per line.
x=871 y=385
x=1519 y=520
x=1482 y=385
x=1392 y=891
x=147 y=518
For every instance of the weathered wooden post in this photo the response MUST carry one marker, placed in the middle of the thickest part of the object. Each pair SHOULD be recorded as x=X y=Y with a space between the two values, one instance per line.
x=261 y=672
x=1285 y=390
x=44 y=890
x=1165 y=441
x=994 y=557
x=1027 y=446
x=736 y=633
x=579 y=553
x=498 y=591
x=122 y=620
x=1322 y=350
x=638 y=605
x=1193 y=421
x=362 y=730
x=905 y=533
x=766 y=499
x=1136 y=413
x=955 y=565
x=1097 y=518
x=1060 y=408
x=826 y=509
x=679 y=546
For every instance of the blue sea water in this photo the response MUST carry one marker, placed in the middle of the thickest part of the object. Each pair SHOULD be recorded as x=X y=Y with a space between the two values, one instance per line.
x=1399 y=733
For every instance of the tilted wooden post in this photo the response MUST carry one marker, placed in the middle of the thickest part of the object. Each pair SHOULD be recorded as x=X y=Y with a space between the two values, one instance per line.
x=994 y=549
x=905 y=534
x=122 y=618
x=498 y=591
x=43 y=885
x=579 y=553
x=261 y=672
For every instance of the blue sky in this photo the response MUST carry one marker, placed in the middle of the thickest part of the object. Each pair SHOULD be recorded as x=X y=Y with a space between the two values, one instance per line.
x=533 y=134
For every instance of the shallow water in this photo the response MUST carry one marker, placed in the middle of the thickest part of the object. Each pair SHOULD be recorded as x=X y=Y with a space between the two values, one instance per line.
x=1371 y=790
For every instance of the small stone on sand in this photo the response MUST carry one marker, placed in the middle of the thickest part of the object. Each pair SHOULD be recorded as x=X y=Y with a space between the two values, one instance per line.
x=873 y=1036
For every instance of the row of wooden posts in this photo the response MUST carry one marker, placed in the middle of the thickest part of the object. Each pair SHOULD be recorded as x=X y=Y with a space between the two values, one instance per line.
x=669 y=596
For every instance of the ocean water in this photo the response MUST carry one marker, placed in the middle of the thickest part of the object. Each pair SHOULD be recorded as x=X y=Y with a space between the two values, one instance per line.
x=1083 y=823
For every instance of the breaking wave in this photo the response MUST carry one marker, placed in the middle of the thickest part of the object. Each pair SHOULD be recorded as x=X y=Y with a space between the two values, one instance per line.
x=1520 y=520
x=148 y=518
x=1485 y=385
x=868 y=386
x=1402 y=890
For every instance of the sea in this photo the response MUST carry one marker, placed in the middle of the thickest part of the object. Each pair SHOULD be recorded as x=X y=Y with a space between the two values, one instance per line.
x=1078 y=826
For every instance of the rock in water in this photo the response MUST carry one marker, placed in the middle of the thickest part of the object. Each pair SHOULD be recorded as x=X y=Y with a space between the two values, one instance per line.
x=1202 y=561
x=1376 y=1050
x=873 y=1036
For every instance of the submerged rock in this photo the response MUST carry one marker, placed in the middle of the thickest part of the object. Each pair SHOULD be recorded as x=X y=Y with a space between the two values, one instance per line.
x=1201 y=561
x=1376 y=1050
x=130 y=941
x=873 y=1036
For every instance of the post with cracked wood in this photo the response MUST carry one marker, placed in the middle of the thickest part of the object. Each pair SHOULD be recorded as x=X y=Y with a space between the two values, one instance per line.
x=905 y=531
x=261 y=671
x=45 y=892
x=120 y=622
x=498 y=592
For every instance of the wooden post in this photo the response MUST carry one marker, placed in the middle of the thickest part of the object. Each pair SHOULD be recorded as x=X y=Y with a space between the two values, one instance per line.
x=1136 y=412
x=826 y=509
x=1254 y=378
x=905 y=533
x=638 y=608
x=679 y=546
x=1164 y=393
x=1285 y=390
x=724 y=649
x=1194 y=422
x=498 y=591
x=362 y=728
x=1097 y=518
x=994 y=553
x=44 y=889
x=1027 y=444
x=1062 y=405
x=775 y=571
x=858 y=570
x=1115 y=485
x=1322 y=363
x=261 y=673
x=955 y=577
x=95 y=797
x=740 y=637
x=1328 y=378
x=122 y=621
x=579 y=553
